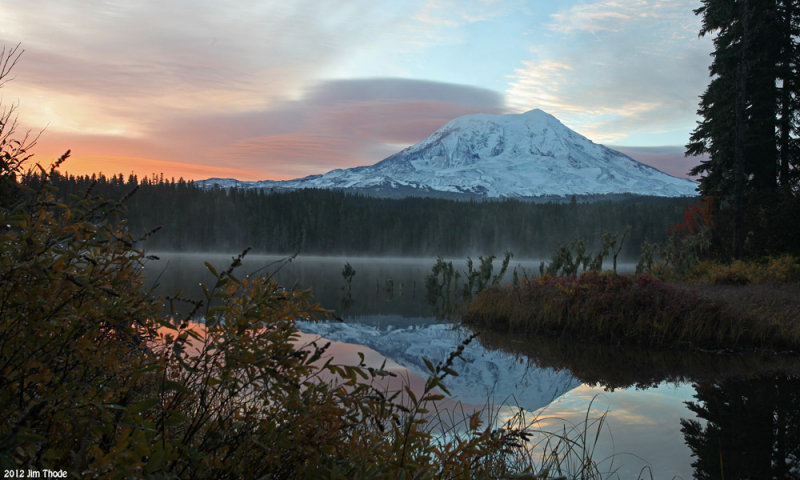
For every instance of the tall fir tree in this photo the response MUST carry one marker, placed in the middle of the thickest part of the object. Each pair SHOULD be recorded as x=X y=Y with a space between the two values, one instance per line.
x=750 y=121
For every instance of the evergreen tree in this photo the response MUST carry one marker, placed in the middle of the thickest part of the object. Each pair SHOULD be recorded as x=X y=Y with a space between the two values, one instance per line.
x=750 y=122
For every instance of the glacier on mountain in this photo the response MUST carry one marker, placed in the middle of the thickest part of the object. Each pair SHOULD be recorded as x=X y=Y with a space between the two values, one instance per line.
x=524 y=155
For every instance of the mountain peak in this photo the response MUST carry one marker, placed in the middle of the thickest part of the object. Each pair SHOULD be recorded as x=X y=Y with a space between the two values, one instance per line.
x=537 y=113
x=541 y=115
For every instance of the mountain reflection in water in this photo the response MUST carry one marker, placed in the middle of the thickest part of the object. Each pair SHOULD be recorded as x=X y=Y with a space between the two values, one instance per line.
x=674 y=414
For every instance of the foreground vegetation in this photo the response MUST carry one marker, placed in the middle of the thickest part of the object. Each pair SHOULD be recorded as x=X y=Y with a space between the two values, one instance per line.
x=100 y=380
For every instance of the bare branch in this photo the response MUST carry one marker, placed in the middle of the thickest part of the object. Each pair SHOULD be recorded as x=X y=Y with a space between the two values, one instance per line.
x=8 y=59
x=13 y=151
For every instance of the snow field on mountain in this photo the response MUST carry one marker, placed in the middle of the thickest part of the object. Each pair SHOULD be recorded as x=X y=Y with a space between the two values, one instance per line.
x=497 y=156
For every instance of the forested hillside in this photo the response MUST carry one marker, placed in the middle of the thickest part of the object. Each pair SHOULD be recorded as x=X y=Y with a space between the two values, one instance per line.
x=331 y=222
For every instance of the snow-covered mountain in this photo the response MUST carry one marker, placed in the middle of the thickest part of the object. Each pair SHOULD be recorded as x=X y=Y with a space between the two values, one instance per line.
x=495 y=156
x=493 y=375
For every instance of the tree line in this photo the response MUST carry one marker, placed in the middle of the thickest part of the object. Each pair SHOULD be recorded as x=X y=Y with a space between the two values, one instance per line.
x=335 y=222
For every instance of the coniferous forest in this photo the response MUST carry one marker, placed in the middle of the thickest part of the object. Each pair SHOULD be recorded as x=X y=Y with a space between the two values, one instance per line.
x=324 y=222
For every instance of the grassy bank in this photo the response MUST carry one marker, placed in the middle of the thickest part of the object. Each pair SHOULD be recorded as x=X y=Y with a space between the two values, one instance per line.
x=631 y=309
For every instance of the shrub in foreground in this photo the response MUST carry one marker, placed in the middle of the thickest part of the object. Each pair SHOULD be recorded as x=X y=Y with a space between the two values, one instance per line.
x=621 y=309
x=101 y=380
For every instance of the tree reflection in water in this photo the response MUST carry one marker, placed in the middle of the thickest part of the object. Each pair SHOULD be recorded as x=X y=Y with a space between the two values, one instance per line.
x=747 y=406
x=751 y=428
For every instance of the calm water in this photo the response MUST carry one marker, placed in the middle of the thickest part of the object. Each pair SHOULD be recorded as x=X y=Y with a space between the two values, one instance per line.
x=666 y=414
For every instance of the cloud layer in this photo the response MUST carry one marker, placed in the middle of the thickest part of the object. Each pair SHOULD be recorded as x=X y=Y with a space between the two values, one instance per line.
x=336 y=124
x=668 y=159
x=264 y=89
x=617 y=70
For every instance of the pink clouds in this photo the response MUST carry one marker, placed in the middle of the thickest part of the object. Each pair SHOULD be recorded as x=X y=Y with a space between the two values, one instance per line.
x=112 y=155
x=346 y=134
x=290 y=155
x=336 y=124
x=396 y=122
x=232 y=86
x=668 y=159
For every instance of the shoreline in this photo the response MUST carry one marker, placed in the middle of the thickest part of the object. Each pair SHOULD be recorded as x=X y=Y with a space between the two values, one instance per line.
x=642 y=310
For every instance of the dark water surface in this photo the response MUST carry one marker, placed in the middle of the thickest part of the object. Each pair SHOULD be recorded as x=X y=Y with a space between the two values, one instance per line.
x=667 y=414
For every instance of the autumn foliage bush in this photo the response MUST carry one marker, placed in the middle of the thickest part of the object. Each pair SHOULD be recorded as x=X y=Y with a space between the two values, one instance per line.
x=101 y=379
x=620 y=309
x=775 y=270
x=688 y=243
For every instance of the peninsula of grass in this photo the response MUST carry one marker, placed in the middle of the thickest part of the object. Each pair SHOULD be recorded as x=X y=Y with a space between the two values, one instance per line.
x=624 y=309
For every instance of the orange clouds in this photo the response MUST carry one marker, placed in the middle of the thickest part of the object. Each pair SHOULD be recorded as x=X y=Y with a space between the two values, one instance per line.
x=114 y=155
x=337 y=124
x=87 y=164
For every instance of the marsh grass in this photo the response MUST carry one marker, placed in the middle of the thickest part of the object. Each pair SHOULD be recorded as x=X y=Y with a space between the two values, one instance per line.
x=624 y=309
x=768 y=270
x=561 y=448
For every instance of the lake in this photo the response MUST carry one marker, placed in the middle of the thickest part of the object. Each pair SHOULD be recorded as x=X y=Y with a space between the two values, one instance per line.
x=660 y=414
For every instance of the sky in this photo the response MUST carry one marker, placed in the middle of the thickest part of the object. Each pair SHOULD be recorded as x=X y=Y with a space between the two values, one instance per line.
x=262 y=89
